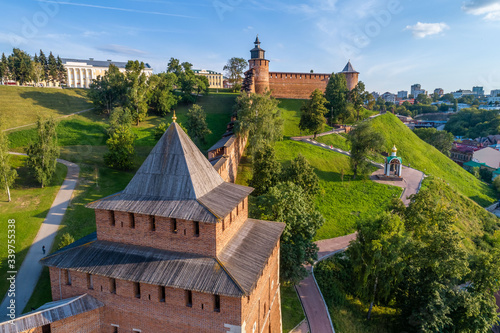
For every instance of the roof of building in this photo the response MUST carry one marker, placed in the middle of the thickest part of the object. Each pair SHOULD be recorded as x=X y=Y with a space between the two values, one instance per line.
x=234 y=273
x=218 y=161
x=176 y=181
x=205 y=71
x=100 y=63
x=349 y=69
x=52 y=312
x=226 y=141
x=488 y=156
x=390 y=158
x=474 y=164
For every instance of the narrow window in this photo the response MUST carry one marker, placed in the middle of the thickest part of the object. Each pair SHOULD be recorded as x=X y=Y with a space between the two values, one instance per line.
x=216 y=303
x=115 y=328
x=162 y=294
x=132 y=221
x=46 y=328
x=112 y=286
x=230 y=217
x=112 y=217
x=90 y=283
x=197 y=229
x=68 y=278
x=223 y=225
x=137 y=289
x=189 y=298
x=153 y=223
x=243 y=204
x=174 y=225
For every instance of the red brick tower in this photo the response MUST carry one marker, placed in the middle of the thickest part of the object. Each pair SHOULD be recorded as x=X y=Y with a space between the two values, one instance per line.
x=175 y=251
x=351 y=76
x=260 y=68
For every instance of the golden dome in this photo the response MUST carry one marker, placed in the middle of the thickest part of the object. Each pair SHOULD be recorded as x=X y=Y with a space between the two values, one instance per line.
x=394 y=149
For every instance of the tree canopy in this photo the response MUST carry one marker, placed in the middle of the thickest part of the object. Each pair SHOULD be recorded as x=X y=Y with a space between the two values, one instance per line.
x=196 y=125
x=234 y=69
x=442 y=140
x=312 y=117
x=363 y=140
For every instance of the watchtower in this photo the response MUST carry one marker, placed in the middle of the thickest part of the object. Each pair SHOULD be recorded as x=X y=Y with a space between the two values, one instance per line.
x=259 y=65
x=351 y=76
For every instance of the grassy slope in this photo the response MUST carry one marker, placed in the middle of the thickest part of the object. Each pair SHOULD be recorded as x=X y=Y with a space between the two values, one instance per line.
x=29 y=207
x=21 y=105
x=292 y=313
x=428 y=159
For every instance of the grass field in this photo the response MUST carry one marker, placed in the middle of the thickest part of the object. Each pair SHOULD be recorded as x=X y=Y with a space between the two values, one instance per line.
x=335 y=140
x=428 y=159
x=21 y=105
x=291 y=309
x=29 y=207
x=290 y=111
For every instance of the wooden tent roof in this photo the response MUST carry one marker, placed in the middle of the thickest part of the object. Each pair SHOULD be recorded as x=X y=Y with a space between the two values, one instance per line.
x=176 y=181
x=52 y=312
x=234 y=273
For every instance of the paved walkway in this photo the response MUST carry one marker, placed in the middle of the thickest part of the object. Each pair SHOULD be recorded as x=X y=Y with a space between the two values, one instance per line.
x=30 y=270
x=412 y=180
x=32 y=124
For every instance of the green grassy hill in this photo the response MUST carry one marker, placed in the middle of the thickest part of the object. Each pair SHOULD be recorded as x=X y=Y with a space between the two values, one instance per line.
x=428 y=159
x=21 y=105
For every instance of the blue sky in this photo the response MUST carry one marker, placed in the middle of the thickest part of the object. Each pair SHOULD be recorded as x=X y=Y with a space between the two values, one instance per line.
x=393 y=43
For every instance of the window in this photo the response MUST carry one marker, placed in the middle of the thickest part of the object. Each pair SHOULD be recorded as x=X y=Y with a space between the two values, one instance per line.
x=197 y=229
x=132 y=220
x=189 y=298
x=115 y=328
x=243 y=206
x=162 y=294
x=90 y=284
x=137 y=289
x=152 y=220
x=112 y=286
x=68 y=278
x=216 y=303
x=174 y=225
x=46 y=328
x=112 y=217
x=230 y=217
x=223 y=225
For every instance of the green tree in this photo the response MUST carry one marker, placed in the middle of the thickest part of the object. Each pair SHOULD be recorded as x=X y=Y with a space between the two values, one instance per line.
x=62 y=75
x=188 y=83
x=266 y=170
x=363 y=140
x=66 y=240
x=442 y=140
x=424 y=99
x=197 y=123
x=376 y=258
x=287 y=202
x=119 y=117
x=336 y=94
x=312 y=117
x=42 y=59
x=19 y=63
x=161 y=99
x=7 y=173
x=37 y=74
x=108 y=91
x=174 y=66
x=234 y=70
x=357 y=97
x=121 y=148
x=258 y=118
x=52 y=68
x=137 y=90
x=496 y=183
x=4 y=68
x=43 y=151
x=301 y=173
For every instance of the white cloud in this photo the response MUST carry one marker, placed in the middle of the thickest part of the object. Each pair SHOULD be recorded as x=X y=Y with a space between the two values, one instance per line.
x=12 y=38
x=489 y=8
x=314 y=7
x=422 y=30
x=120 y=49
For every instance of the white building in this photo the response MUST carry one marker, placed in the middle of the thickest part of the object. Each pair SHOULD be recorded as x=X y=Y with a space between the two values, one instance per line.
x=495 y=93
x=82 y=72
x=403 y=94
x=388 y=97
x=461 y=93
x=215 y=80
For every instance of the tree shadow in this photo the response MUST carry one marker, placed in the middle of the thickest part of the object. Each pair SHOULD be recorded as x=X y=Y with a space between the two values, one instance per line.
x=57 y=101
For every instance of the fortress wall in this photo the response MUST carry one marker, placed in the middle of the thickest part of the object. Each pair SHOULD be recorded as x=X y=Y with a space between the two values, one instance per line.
x=296 y=85
x=229 y=170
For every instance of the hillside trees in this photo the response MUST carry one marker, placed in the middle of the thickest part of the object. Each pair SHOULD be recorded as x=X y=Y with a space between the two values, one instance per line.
x=121 y=140
x=234 y=70
x=266 y=170
x=4 y=68
x=20 y=66
x=136 y=90
x=43 y=151
x=312 y=117
x=259 y=118
x=197 y=124
x=108 y=91
x=442 y=140
x=363 y=140
x=162 y=99
x=357 y=97
x=7 y=173
x=474 y=123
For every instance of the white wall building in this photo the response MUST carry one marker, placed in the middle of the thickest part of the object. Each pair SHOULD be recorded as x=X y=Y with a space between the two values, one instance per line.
x=82 y=72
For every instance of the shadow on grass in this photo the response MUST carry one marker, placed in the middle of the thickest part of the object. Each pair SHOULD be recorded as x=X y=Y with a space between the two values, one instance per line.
x=57 y=101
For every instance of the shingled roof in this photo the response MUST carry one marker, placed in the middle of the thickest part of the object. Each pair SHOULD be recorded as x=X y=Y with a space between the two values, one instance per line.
x=234 y=274
x=51 y=312
x=177 y=181
x=349 y=69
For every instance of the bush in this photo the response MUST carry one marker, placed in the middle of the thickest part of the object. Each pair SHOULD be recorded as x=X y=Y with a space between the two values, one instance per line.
x=66 y=239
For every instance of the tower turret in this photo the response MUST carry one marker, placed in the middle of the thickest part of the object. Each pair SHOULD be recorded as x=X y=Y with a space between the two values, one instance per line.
x=351 y=76
x=259 y=66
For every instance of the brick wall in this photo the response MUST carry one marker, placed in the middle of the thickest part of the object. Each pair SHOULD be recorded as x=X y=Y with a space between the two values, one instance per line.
x=148 y=313
x=229 y=170
x=232 y=223
x=261 y=75
x=296 y=85
x=163 y=237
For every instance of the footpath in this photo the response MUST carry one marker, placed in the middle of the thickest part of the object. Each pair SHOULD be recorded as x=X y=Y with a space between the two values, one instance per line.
x=31 y=269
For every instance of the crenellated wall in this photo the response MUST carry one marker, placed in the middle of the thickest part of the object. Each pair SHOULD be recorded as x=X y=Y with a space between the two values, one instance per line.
x=230 y=156
x=296 y=85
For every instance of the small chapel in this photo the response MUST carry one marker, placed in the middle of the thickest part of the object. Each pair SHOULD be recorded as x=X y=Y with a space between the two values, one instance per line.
x=393 y=164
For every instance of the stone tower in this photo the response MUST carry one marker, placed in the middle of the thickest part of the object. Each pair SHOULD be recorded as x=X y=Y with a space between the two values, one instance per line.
x=260 y=68
x=351 y=76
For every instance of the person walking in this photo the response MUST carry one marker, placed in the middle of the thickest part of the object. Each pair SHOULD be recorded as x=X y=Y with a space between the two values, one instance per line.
x=43 y=249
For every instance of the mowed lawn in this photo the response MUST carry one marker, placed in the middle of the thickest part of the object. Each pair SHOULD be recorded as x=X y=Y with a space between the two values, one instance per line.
x=29 y=207
x=22 y=105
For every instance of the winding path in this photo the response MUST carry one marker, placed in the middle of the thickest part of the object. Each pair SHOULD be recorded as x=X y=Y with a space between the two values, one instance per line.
x=313 y=303
x=28 y=274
